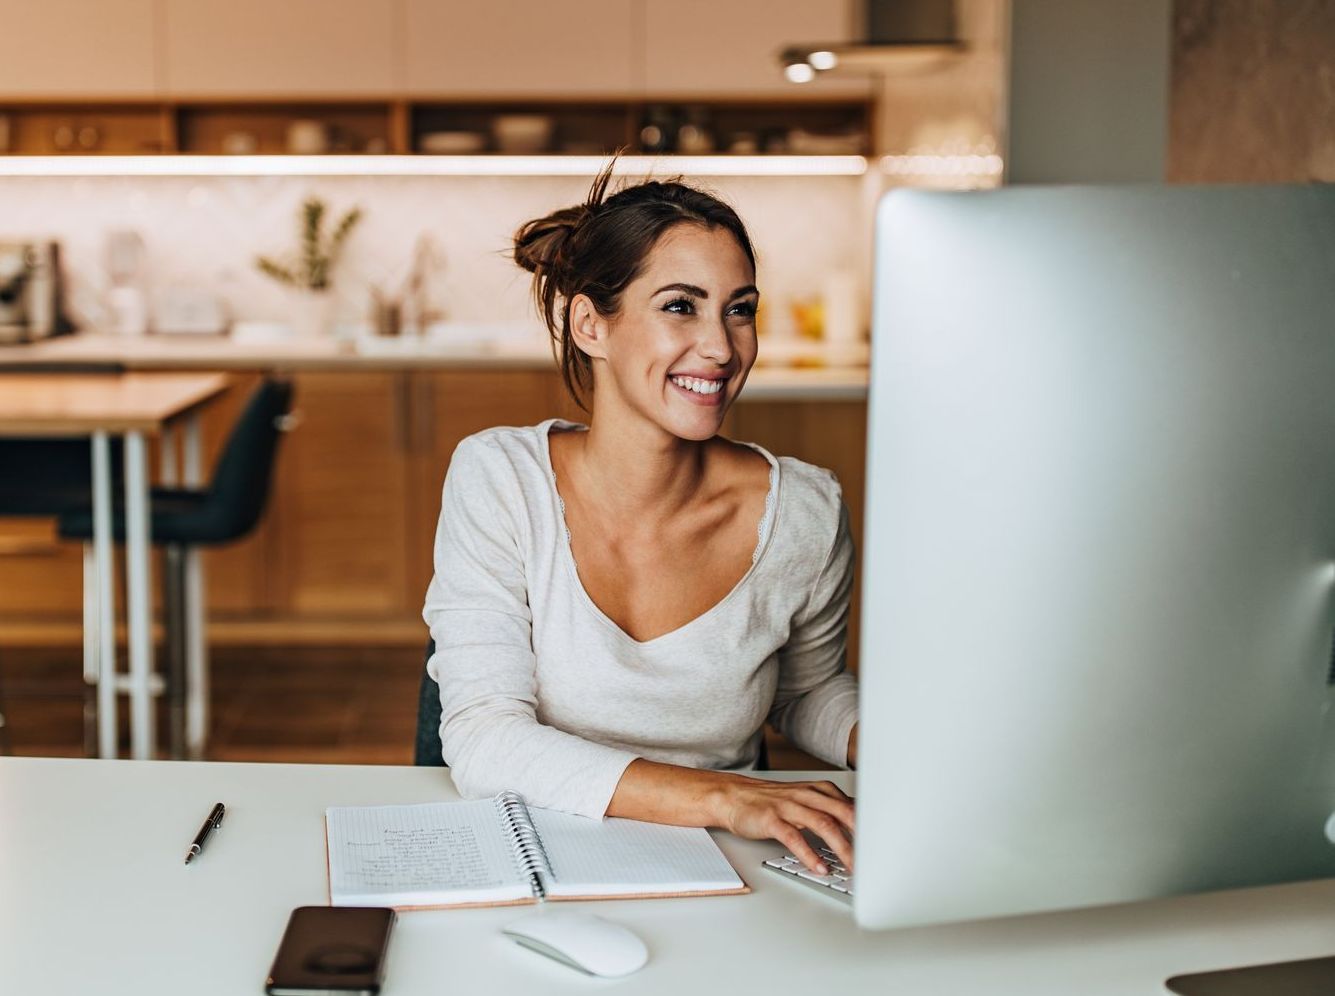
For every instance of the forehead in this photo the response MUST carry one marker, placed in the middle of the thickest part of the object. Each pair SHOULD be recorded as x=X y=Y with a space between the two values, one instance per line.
x=694 y=254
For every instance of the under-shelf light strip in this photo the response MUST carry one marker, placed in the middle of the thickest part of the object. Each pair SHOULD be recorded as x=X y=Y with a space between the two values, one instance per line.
x=420 y=165
x=772 y=165
x=942 y=165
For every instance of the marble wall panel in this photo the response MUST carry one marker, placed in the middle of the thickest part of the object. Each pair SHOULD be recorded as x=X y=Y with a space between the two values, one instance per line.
x=1253 y=91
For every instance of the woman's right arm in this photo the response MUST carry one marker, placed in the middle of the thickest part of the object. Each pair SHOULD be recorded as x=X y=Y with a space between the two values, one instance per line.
x=749 y=807
x=478 y=612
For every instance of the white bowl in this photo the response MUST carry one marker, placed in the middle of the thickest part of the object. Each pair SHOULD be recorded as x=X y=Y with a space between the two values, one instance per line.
x=454 y=143
x=523 y=134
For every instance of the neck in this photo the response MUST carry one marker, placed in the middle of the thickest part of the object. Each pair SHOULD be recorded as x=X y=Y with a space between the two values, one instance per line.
x=634 y=471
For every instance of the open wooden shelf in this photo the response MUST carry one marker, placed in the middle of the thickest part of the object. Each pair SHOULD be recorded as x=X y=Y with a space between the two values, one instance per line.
x=398 y=126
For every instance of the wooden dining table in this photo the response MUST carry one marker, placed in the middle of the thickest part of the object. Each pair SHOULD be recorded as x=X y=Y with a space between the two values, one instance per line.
x=134 y=406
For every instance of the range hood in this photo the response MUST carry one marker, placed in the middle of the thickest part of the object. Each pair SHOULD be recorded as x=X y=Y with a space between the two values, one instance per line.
x=897 y=36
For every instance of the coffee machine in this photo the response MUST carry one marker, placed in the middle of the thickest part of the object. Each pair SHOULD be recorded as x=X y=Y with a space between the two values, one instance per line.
x=30 y=291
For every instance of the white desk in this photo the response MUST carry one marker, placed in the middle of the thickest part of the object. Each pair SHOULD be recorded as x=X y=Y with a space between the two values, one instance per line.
x=94 y=898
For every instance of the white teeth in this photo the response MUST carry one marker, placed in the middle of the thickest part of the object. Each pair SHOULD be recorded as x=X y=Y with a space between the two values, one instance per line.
x=697 y=385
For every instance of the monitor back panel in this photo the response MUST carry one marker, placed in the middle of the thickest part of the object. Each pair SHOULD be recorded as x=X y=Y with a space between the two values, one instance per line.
x=1100 y=548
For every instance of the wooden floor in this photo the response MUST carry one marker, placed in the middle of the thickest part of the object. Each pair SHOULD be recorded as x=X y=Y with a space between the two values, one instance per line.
x=307 y=704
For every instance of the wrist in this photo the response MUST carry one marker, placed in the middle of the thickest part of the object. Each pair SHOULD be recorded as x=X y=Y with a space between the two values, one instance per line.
x=716 y=799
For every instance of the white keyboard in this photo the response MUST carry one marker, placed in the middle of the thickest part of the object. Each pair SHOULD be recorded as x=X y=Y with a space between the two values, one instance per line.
x=838 y=884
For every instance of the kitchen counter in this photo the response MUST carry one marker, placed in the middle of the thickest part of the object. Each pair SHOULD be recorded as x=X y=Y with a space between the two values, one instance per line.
x=92 y=350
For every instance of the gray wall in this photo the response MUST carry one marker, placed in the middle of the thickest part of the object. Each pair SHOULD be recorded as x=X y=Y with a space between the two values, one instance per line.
x=1089 y=86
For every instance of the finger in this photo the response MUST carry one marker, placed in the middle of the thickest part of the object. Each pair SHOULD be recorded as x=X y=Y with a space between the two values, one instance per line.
x=789 y=836
x=828 y=788
x=840 y=809
x=827 y=828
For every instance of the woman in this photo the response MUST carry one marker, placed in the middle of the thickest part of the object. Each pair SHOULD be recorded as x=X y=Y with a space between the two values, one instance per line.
x=618 y=609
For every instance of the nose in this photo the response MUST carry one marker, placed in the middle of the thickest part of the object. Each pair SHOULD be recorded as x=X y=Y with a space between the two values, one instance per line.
x=715 y=344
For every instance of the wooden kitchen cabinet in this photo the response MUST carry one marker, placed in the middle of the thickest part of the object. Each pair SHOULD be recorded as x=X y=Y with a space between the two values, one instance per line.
x=71 y=48
x=340 y=528
x=41 y=576
x=517 y=47
x=449 y=406
x=829 y=434
x=703 y=48
x=257 y=48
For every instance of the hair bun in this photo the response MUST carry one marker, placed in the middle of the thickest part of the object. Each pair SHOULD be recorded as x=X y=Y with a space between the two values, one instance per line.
x=540 y=244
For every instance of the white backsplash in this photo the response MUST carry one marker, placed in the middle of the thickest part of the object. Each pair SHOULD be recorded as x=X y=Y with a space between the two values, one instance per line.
x=207 y=232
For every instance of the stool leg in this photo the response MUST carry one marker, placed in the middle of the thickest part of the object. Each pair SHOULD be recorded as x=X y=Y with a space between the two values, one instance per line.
x=196 y=658
x=196 y=646
x=175 y=629
x=139 y=596
x=105 y=597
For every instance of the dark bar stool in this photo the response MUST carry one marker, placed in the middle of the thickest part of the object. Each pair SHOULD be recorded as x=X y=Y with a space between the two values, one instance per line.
x=185 y=518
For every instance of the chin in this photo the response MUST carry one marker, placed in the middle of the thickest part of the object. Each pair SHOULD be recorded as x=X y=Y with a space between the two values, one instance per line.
x=697 y=434
x=695 y=427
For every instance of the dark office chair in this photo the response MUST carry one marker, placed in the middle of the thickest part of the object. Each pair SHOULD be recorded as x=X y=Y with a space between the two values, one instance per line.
x=224 y=511
x=426 y=751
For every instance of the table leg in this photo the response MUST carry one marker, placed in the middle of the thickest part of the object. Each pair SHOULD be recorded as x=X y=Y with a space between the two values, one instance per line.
x=139 y=596
x=167 y=457
x=196 y=649
x=105 y=663
x=173 y=610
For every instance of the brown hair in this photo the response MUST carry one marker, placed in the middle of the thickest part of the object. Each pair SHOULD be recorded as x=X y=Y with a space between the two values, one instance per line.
x=599 y=246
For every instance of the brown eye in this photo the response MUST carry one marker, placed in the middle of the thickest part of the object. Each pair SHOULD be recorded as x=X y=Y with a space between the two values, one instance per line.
x=686 y=303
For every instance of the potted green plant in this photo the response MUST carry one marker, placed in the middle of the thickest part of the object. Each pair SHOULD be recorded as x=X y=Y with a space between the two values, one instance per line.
x=309 y=271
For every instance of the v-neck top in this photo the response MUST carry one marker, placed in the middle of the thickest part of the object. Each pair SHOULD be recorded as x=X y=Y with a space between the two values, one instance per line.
x=762 y=531
x=543 y=693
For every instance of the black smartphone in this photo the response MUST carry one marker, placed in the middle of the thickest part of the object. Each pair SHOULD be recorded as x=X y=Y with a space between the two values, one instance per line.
x=332 y=949
x=1310 y=977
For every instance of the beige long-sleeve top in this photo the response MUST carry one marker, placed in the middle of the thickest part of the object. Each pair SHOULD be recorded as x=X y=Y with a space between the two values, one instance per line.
x=543 y=693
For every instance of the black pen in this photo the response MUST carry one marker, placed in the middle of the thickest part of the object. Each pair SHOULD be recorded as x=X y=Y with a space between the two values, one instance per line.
x=211 y=824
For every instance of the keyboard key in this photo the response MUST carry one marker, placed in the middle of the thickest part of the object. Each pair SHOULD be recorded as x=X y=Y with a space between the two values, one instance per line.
x=811 y=876
x=839 y=886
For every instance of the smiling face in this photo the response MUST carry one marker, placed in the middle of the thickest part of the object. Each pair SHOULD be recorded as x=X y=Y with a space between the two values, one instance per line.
x=680 y=348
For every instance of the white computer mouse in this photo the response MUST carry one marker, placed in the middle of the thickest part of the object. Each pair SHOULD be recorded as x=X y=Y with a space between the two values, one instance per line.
x=580 y=940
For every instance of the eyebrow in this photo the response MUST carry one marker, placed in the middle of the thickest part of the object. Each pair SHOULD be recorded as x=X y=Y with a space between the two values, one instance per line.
x=702 y=293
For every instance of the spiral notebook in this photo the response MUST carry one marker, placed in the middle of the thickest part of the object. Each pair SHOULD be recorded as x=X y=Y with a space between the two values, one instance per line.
x=499 y=851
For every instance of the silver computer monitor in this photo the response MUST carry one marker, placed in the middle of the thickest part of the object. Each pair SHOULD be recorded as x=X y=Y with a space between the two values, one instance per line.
x=1099 y=556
